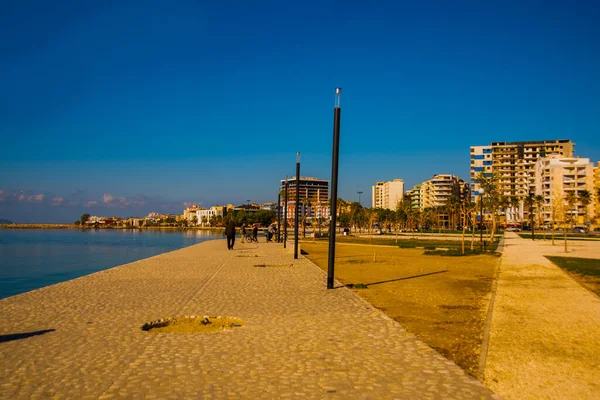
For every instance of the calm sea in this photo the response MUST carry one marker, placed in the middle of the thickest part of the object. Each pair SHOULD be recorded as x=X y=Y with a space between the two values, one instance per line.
x=34 y=258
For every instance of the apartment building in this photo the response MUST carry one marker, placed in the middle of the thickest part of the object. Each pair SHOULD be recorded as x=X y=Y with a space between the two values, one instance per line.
x=556 y=176
x=387 y=194
x=203 y=216
x=414 y=195
x=314 y=196
x=596 y=194
x=514 y=163
x=436 y=191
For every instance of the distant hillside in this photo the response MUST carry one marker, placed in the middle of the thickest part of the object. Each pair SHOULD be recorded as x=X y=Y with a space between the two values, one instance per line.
x=5 y=221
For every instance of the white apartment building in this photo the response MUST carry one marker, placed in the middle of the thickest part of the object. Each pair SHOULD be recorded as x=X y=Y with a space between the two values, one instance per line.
x=596 y=193
x=513 y=163
x=214 y=211
x=387 y=194
x=436 y=191
x=556 y=176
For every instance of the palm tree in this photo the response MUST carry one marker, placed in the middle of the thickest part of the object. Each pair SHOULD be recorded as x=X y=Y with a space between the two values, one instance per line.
x=539 y=202
x=585 y=198
x=571 y=199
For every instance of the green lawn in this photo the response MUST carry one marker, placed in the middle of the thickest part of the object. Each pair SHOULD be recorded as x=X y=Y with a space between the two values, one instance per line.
x=558 y=235
x=586 y=271
x=431 y=246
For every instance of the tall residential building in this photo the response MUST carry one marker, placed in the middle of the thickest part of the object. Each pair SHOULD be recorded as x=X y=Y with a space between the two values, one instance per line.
x=514 y=163
x=436 y=191
x=310 y=188
x=596 y=194
x=314 y=196
x=387 y=194
x=556 y=176
x=415 y=196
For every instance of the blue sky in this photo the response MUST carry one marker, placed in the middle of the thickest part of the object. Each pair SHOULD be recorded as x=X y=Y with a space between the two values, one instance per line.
x=129 y=107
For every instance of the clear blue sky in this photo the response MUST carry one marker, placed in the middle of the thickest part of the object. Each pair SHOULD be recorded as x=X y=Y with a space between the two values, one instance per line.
x=129 y=107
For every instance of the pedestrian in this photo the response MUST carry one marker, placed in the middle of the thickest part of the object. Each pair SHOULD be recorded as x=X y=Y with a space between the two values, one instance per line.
x=255 y=233
x=271 y=230
x=243 y=232
x=230 y=233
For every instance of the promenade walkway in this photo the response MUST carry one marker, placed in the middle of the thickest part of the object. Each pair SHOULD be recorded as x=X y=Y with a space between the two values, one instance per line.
x=82 y=338
x=545 y=327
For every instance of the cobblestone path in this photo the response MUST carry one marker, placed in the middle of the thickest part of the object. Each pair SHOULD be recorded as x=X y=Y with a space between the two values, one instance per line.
x=82 y=338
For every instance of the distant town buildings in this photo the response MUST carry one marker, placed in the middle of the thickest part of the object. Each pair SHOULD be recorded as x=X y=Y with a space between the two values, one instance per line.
x=414 y=195
x=387 y=194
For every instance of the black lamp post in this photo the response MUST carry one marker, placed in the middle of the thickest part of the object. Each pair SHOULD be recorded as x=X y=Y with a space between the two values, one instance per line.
x=278 y=215
x=296 y=205
x=359 y=193
x=481 y=191
x=285 y=213
x=334 y=187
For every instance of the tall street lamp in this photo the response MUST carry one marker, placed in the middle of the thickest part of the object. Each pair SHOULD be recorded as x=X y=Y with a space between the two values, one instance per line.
x=278 y=215
x=334 y=187
x=481 y=191
x=285 y=213
x=296 y=205
x=359 y=193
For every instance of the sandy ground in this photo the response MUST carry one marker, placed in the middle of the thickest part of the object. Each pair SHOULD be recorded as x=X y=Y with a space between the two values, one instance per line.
x=545 y=328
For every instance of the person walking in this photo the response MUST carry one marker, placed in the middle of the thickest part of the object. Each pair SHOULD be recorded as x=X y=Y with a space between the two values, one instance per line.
x=230 y=233
x=243 y=232
x=255 y=233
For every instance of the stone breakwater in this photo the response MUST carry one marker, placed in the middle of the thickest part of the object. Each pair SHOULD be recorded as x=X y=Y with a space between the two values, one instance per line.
x=83 y=338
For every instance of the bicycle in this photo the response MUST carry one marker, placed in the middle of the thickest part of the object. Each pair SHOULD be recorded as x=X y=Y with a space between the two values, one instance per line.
x=250 y=238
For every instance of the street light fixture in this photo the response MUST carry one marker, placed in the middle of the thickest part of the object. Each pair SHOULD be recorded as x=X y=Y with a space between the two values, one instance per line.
x=334 y=187
x=296 y=205
x=531 y=200
x=359 y=193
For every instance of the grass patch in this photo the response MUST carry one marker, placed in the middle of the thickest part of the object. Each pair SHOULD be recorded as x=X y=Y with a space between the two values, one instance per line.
x=442 y=300
x=559 y=235
x=585 y=271
x=192 y=324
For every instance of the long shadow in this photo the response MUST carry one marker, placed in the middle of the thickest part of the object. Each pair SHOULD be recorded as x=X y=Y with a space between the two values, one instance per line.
x=400 y=279
x=24 y=335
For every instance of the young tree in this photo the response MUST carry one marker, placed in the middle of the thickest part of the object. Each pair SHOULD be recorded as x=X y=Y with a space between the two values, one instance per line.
x=84 y=218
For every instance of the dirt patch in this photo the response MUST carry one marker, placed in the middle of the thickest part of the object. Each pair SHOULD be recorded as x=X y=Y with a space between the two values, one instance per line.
x=442 y=300
x=192 y=324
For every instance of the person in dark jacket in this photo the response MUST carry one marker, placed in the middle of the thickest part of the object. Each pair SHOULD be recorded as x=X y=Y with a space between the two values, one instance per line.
x=230 y=233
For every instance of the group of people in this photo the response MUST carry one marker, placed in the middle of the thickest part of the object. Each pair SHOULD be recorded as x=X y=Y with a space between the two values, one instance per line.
x=230 y=232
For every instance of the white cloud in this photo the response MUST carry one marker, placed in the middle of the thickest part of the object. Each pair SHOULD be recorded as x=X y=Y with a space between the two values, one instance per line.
x=22 y=197
x=92 y=203
x=57 y=201
x=36 y=197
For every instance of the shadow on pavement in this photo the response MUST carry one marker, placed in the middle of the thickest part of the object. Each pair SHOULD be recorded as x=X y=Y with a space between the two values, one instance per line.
x=24 y=335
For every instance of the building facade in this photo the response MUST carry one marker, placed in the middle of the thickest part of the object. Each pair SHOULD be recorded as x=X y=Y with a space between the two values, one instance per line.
x=203 y=216
x=596 y=194
x=415 y=196
x=387 y=194
x=436 y=191
x=513 y=163
x=311 y=188
x=556 y=177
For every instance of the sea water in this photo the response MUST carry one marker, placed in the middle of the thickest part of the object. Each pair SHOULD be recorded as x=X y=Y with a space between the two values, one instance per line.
x=34 y=258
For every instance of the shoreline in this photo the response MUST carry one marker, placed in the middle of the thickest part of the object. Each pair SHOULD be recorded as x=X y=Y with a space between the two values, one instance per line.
x=72 y=226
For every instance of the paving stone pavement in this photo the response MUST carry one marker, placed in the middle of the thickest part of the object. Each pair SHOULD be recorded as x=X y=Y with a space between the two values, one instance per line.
x=299 y=340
